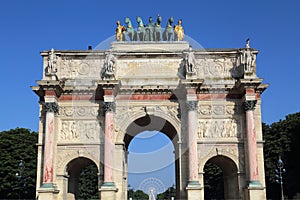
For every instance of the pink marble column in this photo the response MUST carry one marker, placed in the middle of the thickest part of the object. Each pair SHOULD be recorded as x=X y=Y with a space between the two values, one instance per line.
x=192 y=135
x=50 y=108
x=109 y=143
x=251 y=142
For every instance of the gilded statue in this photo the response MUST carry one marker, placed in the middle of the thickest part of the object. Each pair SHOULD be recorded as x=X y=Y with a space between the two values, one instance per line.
x=179 y=32
x=120 y=32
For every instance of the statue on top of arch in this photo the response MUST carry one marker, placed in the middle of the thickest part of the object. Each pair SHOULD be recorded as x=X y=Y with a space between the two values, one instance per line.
x=150 y=32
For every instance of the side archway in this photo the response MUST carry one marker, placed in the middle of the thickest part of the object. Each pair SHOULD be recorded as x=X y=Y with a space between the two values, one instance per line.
x=225 y=169
x=75 y=169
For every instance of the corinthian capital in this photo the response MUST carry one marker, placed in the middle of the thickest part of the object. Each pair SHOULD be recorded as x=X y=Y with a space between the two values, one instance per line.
x=250 y=105
x=109 y=106
x=192 y=105
x=50 y=107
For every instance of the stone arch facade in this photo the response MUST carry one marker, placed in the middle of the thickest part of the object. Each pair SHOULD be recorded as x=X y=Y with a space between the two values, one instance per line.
x=214 y=107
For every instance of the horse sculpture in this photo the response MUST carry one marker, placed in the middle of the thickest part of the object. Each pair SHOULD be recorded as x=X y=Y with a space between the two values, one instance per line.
x=157 y=29
x=169 y=33
x=141 y=32
x=130 y=32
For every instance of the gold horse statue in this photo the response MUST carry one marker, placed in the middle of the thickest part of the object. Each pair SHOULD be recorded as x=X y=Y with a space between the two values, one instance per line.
x=179 y=32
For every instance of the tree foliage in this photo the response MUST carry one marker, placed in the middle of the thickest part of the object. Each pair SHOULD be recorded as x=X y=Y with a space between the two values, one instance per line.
x=137 y=195
x=88 y=183
x=282 y=139
x=170 y=192
x=15 y=145
x=213 y=182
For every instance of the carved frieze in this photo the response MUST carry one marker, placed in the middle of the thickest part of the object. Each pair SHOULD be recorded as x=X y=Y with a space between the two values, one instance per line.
x=76 y=131
x=216 y=68
x=79 y=111
x=219 y=128
x=219 y=110
x=85 y=68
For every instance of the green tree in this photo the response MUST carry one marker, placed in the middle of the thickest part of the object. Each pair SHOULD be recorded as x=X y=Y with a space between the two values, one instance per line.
x=137 y=195
x=213 y=182
x=15 y=145
x=170 y=192
x=282 y=139
x=88 y=183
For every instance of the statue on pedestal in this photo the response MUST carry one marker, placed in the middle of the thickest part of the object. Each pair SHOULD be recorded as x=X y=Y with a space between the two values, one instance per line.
x=120 y=32
x=51 y=68
x=157 y=29
x=190 y=62
x=169 y=33
x=179 y=32
x=130 y=30
x=149 y=30
x=109 y=66
x=248 y=58
x=141 y=33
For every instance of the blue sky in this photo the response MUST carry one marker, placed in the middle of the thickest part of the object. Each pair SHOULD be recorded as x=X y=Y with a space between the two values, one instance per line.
x=29 y=27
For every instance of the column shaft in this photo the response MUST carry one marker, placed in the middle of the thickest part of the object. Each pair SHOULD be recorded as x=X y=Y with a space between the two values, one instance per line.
x=252 y=148
x=109 y=145
x=251 y=142
x=50 y=108
x=192 y=135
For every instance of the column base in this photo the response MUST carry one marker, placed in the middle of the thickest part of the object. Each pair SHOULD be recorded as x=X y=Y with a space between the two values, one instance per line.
x=194 y=190
x=48 y=191
x=254 y=184
x=108 y=191
x=255 y=190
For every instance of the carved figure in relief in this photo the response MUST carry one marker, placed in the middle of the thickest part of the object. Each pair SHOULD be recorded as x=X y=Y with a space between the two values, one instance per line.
x=201 y=129
x=206 y=127
x=90 y=131
x=149 y=30
x=64 y=130
x=178 y=30
x=51 y=68
x=73 y=130
x=120 y=32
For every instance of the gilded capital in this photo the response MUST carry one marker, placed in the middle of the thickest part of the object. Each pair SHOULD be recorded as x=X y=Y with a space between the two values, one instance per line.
x=250 y=105
x=109 y=106
x=192 y=105
x=50 y=107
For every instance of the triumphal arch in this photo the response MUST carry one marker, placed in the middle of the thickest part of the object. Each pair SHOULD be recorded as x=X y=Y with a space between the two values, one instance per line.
x=94 y=102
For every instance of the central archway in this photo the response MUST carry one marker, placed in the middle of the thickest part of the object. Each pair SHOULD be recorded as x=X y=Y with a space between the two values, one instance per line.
x=156 y=125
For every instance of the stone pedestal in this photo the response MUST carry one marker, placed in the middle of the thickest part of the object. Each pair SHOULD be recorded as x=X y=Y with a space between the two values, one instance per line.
x=194 y=191
x=108 y=192
x=48 y=193
x=256 y=192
